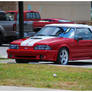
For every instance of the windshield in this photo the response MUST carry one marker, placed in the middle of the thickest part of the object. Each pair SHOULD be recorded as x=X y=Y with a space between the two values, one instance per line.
x=56 y=31
x=48 y=31
x=64 y=21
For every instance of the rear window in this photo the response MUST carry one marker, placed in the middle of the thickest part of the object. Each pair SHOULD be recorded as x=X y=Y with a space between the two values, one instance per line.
x=32 y=15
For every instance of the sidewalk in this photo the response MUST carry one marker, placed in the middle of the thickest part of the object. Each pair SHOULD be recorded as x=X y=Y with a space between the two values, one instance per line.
x=14 y=88
x=3 y=53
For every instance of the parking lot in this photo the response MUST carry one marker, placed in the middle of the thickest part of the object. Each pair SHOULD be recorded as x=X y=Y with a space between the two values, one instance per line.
x=79 y=63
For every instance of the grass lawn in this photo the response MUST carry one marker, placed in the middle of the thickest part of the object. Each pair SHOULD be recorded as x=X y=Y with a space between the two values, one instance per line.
x=41 y=76
x=4 y=59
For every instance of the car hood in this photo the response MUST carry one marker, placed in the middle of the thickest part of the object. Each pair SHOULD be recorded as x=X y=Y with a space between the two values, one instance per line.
x=38 y=39
x=19 y=41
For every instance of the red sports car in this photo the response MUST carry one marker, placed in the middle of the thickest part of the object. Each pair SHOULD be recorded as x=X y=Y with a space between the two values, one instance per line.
x=54 y=42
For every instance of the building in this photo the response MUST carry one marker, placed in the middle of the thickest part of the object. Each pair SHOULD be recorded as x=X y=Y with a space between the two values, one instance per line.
x=77 y=11
x=8 y=5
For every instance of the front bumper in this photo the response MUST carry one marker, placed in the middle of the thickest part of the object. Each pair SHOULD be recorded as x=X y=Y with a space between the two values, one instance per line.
x=48 y=55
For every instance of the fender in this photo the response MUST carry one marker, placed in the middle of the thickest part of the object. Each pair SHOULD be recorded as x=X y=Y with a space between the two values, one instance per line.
x=67 y=46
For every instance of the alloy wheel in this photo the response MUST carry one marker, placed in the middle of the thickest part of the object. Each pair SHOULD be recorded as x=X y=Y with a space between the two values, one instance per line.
x=63 y=57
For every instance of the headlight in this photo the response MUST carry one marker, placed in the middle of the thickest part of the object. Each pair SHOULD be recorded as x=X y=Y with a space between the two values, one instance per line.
x=13 y=46
x=42 y=47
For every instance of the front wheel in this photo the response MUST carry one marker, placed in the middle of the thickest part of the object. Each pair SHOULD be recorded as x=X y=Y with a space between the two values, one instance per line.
x=63 y=56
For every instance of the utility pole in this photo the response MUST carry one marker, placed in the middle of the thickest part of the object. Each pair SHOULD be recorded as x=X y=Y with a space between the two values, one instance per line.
x=21 y=19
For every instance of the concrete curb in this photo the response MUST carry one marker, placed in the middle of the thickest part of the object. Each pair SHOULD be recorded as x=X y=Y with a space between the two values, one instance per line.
x=3 y=52
x=15 y=88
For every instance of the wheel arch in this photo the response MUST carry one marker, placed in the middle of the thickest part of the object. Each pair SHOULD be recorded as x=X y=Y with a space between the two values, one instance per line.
x=66 y=47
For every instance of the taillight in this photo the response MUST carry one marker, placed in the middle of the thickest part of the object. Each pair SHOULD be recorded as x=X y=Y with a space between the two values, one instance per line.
x=14 y=27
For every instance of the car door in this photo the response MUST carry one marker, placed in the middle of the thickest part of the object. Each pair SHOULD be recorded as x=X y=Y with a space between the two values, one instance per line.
x=83 y=44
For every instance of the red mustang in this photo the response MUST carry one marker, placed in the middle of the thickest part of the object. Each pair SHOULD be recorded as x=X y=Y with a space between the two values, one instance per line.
x=54 y=42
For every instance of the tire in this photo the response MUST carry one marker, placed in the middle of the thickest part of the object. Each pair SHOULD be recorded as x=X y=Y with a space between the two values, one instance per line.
x=63 y=56
x=0 y=44
x=1 y=39
x=21 y=61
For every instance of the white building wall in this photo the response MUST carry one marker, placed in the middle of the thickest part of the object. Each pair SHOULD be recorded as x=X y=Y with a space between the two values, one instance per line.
x=67 y=10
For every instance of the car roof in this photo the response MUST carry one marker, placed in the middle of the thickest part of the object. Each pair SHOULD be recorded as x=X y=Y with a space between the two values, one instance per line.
x=70 y=25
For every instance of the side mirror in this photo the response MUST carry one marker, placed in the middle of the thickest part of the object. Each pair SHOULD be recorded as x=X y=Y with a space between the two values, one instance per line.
x=78 y=38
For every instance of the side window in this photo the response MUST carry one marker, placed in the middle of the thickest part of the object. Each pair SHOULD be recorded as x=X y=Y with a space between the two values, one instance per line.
x=29 y=15
x=68 y=33
x=32 y=15
x=85 y=33
x=3 y=16
x=37 y=15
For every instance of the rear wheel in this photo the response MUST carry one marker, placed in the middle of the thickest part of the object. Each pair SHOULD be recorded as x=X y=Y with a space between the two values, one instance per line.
x=1 y=39
x=63 y=56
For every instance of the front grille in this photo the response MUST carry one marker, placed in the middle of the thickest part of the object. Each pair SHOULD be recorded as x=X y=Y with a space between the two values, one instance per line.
x=25 y=47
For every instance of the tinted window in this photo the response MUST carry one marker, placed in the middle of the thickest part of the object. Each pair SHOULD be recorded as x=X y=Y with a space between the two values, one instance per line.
x=68 y=33
x=85 y=33
x=56 y=31
x=37 y=15
x=32 y=15
x=3 y=16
